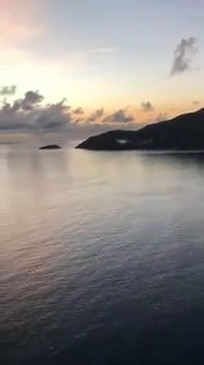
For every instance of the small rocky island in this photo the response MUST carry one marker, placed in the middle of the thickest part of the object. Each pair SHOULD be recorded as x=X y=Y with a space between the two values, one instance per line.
x=50 y=147
x=183 y=133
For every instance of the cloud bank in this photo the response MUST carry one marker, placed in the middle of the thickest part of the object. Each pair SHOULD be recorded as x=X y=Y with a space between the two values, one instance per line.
x=31 y=114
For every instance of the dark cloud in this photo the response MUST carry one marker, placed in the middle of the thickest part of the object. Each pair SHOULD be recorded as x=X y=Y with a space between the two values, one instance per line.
x=78 y=111
x=8 y=90
x=29 y=114
x=183 y=55
x=147 y=107
x=52 y=116
x=119 y=116
x=11 y=108
x=12 y=121
x=30 y=101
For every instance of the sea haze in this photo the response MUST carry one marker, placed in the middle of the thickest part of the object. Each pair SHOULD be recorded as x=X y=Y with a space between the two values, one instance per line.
x=102 y=257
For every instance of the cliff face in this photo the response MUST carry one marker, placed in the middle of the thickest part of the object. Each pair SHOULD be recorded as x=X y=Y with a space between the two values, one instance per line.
x=185 y=132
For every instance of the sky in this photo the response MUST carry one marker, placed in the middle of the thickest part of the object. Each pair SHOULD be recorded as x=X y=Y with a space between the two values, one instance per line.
x=117 y=62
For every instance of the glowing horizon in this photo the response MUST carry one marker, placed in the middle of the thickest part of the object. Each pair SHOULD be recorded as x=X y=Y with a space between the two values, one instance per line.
x=112 y=55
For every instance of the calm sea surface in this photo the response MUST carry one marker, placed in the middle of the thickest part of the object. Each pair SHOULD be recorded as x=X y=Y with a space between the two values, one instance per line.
x=102 y=257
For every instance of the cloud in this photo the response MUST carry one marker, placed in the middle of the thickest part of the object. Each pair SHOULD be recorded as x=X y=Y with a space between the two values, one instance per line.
x=196 y=102
x=52 y=116
x=147 y=107
x=78 y=111
x=31 y=100
x=119 y=116
x=95 y=116
x=102 y=50
x=28 y=113
x=183 y=56
x=11 y=108
x=8 y=90
x=161 y=117
x=156 y=118
x=12 y=121
x=31 y=115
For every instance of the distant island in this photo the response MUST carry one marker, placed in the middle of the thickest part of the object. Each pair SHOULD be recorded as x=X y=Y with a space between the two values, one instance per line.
x=50 y=147
x=183 y=133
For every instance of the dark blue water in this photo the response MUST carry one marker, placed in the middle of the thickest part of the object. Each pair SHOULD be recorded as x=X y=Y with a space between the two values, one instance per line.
x=102 y=257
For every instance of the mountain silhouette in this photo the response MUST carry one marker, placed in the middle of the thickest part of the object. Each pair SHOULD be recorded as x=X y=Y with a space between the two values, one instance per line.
x=185 y=132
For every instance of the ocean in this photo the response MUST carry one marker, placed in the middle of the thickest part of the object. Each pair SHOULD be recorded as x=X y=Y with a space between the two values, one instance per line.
x=102 y=257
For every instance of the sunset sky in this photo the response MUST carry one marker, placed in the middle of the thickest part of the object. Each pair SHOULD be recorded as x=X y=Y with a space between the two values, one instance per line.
x=141 y=58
